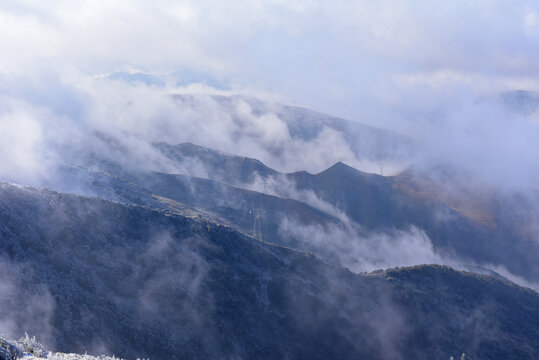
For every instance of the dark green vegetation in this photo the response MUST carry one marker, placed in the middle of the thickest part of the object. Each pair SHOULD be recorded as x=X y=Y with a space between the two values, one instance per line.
x=140 y=281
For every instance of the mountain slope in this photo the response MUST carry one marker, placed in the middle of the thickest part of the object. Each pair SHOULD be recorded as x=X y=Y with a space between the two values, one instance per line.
x=377 y=202
x=142 y=282
x=460 y=217
x=204 y=197
x=219 y=166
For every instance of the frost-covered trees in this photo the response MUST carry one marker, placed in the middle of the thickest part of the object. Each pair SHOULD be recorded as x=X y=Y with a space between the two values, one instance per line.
x=30 y=349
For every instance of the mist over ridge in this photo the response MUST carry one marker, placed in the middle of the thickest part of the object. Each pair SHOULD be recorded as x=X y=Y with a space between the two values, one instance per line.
x=274 y=180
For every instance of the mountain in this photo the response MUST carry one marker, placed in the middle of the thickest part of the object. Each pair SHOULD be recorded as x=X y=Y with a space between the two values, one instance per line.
x=195 y=196
x=463 y=220
x=140 y=244
x=520 y=102
x=217 y=165
x=287 y=131
x=140 y=281
x=378 y=202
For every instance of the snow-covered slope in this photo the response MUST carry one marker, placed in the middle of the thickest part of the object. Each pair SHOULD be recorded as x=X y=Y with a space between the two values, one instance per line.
x=142 y=282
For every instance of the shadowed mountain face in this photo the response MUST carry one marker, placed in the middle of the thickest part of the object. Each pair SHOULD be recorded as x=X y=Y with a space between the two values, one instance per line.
x=378 y=202
x=469 y=222
x=206 y=198
x=137 y=281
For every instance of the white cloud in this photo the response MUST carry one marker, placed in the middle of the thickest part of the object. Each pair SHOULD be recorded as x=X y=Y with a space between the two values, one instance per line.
x=365 y=252
x=233 y=37
x=531 y=23
x=19 y=149
x=396 y=65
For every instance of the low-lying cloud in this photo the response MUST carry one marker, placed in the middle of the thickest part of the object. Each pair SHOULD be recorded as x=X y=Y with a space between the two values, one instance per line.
x=364 y=252
x=25 y=306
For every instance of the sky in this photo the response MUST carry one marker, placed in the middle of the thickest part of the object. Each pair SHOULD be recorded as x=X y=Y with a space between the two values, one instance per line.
x=335 y=55
x=418 y=67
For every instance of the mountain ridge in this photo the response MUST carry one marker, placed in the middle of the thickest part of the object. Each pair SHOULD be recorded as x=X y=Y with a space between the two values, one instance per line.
x=80 y=263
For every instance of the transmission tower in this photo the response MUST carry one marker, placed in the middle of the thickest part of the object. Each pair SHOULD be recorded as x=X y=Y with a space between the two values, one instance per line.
x=259 y=233
x=259 y=224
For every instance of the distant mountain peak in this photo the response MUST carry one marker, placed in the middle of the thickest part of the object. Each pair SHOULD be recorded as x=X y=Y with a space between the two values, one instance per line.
x=521 y=102
x=341 y=168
